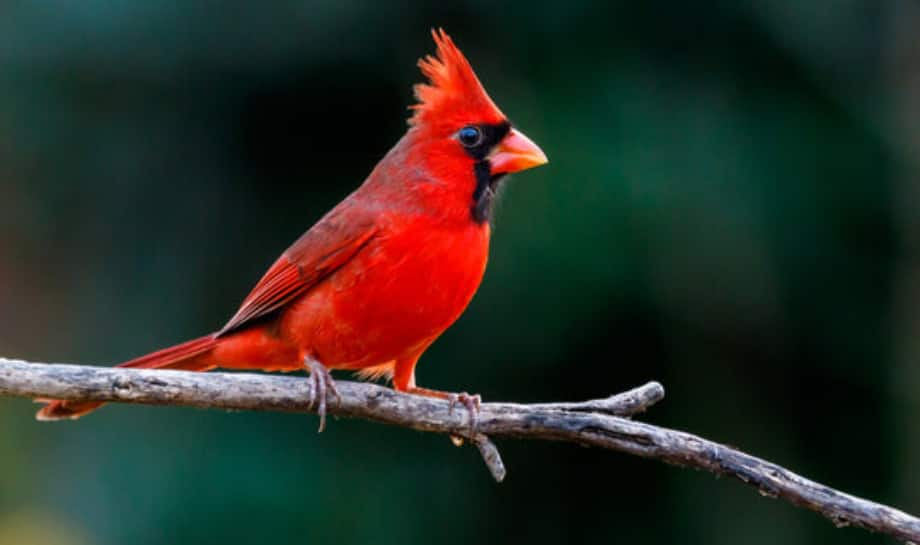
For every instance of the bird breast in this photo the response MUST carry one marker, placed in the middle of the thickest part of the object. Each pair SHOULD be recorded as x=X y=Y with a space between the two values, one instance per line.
x=408 y=284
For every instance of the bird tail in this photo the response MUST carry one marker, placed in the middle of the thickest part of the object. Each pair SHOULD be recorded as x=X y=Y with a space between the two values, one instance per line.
x=190 y=356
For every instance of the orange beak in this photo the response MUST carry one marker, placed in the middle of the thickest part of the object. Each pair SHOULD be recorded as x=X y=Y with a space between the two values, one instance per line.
x=515 y=153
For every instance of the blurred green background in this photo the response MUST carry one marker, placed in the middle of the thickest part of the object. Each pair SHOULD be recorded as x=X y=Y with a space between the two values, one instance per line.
x=730 y=208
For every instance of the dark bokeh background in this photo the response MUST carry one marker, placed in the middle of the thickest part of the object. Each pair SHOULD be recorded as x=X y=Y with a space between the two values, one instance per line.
x=730 y=209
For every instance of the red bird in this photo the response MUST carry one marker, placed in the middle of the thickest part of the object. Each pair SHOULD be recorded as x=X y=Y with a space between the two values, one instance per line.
x=381 y=276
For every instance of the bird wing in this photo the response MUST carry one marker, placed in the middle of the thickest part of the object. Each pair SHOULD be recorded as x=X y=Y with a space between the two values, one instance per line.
x=319 y=252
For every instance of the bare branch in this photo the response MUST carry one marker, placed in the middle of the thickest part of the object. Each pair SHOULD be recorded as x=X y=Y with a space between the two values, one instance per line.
x=598 y=423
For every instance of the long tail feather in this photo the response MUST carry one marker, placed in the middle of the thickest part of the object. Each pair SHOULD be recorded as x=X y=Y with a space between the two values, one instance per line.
x=190 y=356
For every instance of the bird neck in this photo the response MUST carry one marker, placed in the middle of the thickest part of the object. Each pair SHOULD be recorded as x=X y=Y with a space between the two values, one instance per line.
x=425 y=176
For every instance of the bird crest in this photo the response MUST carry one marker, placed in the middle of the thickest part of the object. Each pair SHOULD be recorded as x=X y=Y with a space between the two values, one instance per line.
x=453 y=93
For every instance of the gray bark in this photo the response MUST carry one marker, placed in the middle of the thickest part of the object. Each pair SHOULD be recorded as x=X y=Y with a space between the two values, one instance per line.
x=600 y=423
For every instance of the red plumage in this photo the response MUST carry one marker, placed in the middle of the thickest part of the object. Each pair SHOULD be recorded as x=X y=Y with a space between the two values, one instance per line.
x=381 y=276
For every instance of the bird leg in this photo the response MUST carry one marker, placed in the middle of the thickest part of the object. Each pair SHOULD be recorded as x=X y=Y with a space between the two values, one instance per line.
x=322 y=385
x=471 y=402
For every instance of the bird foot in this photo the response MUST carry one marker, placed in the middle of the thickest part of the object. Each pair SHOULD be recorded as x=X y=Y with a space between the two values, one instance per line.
x=322 y=385
x=471 y=402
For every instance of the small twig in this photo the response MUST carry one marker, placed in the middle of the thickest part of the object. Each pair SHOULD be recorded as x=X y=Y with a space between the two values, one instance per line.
x=590 y=423
x=629 y=403
x=490 y=456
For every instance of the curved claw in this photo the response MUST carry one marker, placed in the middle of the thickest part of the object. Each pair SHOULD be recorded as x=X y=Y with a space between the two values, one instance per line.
x=322 y=385
x=472 y=404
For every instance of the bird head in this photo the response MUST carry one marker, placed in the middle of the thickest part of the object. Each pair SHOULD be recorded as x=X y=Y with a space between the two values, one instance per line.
x=463 y=130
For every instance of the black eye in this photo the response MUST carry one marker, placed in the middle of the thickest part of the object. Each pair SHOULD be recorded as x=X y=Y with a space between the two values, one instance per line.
x=470 y=136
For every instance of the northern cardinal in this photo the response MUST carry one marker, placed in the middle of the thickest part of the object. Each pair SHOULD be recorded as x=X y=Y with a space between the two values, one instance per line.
x=390 y=268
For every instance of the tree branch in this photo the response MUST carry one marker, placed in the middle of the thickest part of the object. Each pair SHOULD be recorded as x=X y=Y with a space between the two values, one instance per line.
x=599 y=423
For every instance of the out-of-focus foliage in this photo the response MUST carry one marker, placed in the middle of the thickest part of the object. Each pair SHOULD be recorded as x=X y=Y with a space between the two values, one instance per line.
x=717 y=215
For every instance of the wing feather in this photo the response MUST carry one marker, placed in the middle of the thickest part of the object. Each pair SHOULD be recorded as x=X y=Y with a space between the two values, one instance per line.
x=318 y=253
